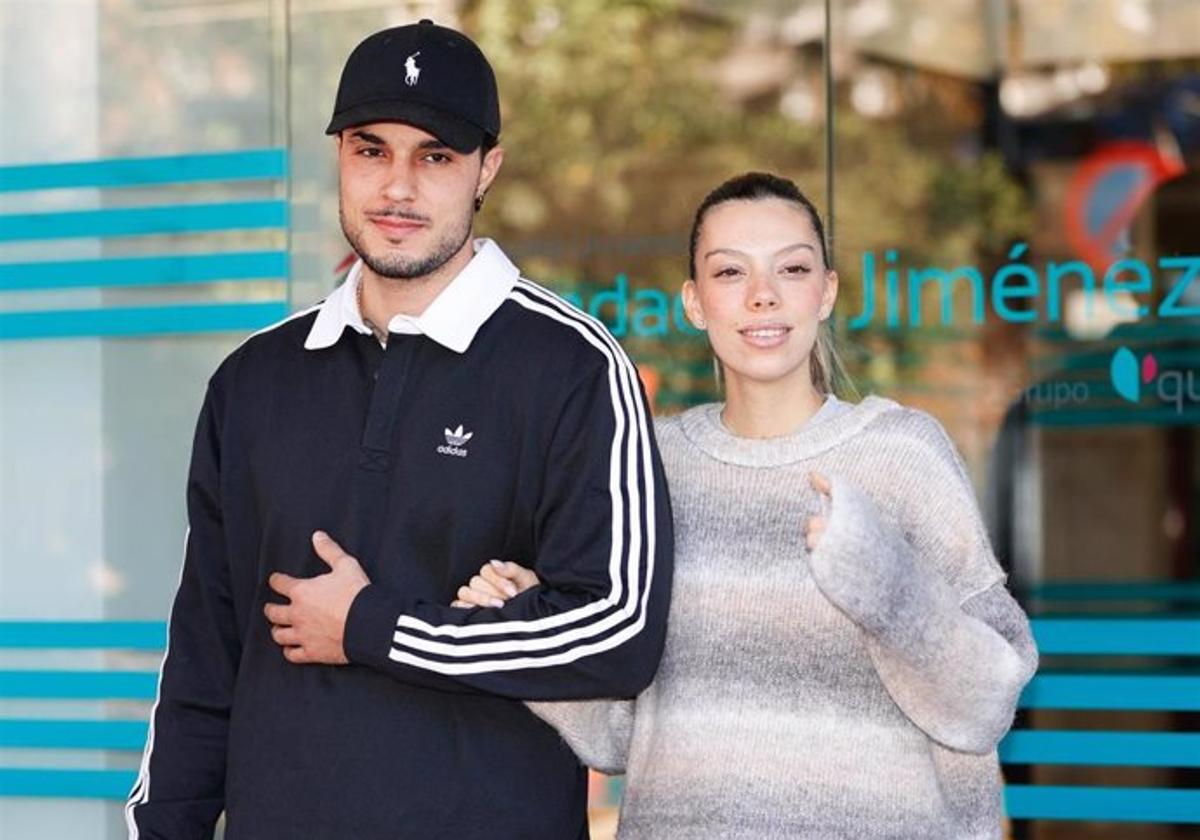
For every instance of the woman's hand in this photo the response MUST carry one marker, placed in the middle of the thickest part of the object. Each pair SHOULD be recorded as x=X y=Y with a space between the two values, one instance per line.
x=497 y=581
x=815 y=527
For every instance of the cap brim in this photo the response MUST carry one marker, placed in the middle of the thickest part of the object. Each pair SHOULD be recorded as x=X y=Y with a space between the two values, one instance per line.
x=458 y=134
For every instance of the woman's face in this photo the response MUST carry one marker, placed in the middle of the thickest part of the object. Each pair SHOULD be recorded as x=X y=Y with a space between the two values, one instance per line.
x=760 y=288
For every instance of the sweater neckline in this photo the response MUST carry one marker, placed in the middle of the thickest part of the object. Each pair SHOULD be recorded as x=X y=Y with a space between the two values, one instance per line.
x=834 y=422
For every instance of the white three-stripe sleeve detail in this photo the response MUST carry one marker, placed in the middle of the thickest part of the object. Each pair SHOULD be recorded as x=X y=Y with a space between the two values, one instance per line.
x=631 y=393
x=141 y=787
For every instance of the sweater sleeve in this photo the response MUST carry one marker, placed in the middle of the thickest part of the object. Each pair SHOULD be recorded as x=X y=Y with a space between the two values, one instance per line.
x=595 y=625
x=180 y=789
x=954 y=662
x=598 y=731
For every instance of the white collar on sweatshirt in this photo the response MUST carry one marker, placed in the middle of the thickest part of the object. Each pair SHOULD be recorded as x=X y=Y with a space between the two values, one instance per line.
x=452 y=319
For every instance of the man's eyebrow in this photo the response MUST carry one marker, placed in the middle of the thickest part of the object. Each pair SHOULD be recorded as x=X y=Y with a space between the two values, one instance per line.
x=368 y=137
x=432 y=143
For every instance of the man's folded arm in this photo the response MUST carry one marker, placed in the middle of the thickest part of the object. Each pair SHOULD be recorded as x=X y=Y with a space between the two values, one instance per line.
x=604 y=545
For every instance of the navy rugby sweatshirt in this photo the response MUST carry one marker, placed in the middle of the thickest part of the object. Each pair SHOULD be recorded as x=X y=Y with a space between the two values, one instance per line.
x=532 y=444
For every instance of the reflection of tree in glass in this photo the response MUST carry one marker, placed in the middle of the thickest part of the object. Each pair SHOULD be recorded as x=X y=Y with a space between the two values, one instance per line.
x=619 y=116
x=183 y=78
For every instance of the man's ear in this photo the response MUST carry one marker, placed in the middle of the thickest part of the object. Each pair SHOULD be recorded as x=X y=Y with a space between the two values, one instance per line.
x=489 y=169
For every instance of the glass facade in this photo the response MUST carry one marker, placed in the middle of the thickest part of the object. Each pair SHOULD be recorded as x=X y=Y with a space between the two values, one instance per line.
x=1011 y=195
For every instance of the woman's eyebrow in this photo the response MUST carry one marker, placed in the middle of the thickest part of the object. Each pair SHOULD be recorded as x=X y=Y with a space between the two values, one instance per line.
x=733 y=252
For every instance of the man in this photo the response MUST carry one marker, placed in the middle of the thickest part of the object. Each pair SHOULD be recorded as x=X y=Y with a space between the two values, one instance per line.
x=354 y=465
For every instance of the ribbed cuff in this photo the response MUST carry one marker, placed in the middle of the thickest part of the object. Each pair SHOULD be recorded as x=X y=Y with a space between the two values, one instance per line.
x=370 y=626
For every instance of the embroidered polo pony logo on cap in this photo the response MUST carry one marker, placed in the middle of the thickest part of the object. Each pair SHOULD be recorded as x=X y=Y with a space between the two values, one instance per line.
x=411 y=71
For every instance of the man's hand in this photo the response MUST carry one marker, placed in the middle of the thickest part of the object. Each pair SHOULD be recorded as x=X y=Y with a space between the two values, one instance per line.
x=310 y=628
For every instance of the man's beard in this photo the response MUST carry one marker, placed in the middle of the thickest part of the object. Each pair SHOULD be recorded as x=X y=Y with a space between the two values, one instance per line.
x=408 y=268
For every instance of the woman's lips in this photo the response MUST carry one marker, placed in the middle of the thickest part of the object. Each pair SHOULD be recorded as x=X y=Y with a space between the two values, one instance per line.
x=765 y=336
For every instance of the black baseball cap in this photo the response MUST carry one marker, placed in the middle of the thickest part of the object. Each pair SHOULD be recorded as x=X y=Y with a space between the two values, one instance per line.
x=425 y=75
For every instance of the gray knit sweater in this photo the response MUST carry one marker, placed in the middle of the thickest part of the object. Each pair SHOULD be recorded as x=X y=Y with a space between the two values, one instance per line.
x=857 y=691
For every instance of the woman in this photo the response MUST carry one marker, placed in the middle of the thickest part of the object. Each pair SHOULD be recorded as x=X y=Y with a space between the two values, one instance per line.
x=842 y=656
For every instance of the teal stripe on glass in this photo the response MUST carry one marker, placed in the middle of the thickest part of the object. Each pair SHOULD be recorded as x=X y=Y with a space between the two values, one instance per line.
x=1145 y=331
x=141 y=320
x=73 y=734
x=1134 y=415
x=144 y=221
x=66 y=784
x=1124 y=749
x=1113 y=691
x=1118 y=804
x=79 y=685
x=127 y=635
x=251 y=164
x=1098 y=362
x=1133 y=590
x=144 y=271
x=1140 y=636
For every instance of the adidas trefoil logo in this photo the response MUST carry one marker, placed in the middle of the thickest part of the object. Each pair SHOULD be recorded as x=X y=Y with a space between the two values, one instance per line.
x=455 y=440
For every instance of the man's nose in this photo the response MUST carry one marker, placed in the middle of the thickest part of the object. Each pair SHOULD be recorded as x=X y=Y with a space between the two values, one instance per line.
x=401 y=185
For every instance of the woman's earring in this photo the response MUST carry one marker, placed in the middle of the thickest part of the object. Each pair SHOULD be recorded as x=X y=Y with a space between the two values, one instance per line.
x=479 y=202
